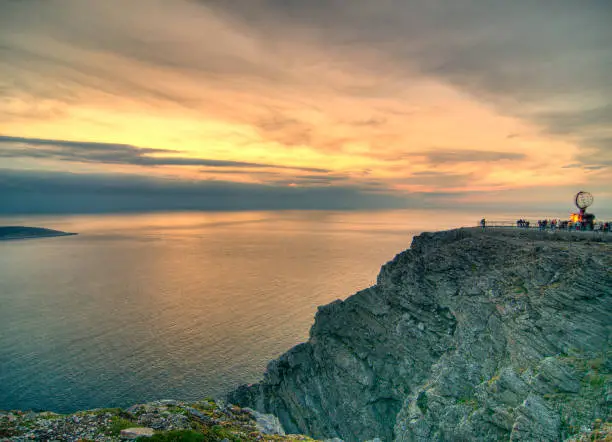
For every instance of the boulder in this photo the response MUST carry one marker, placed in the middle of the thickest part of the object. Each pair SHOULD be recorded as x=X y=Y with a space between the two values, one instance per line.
x=136 y=432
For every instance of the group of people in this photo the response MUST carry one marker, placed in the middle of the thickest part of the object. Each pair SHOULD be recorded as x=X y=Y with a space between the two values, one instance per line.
x=557 y=224
x=553 y=224
x=522 y=223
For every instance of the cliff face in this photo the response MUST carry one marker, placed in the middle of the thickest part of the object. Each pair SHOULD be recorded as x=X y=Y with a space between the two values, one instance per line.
x=468 y=335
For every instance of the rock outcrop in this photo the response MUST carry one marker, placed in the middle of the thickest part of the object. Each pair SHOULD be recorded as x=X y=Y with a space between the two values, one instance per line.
x=502 y=334
x=164 y=420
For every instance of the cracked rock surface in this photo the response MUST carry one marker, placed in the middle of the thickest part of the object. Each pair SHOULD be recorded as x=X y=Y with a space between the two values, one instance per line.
x=471 y=334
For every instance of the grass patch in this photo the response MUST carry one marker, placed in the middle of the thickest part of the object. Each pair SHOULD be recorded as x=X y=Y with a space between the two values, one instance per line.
x=596 y=380
x=51 y=417
x=118 y=423
x=107 y=410
x=176 y=410
x=177 y=436
x=208 y=434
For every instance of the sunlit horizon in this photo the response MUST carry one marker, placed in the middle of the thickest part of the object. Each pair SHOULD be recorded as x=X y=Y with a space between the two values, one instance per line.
x=413 y=106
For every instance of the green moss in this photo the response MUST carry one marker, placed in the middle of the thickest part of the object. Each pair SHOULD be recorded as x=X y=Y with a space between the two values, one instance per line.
x=596 y=380
x=220 y=433
x=468 y=401
x=212 y=434
x=118 y=423
x=176 y=436
x=51 y=417
x=107 y=410
x=176 y=410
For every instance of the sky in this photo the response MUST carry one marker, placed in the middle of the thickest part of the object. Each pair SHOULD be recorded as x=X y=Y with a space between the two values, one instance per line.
x=487 y=105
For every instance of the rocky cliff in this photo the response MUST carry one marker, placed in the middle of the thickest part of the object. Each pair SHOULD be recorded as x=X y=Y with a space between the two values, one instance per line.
x=501 y=334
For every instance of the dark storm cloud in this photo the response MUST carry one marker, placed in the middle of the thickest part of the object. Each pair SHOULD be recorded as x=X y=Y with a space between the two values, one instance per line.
x=55 y=192
x=110 y=153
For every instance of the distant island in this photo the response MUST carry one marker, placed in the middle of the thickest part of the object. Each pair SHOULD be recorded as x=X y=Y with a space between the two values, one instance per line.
x=22 y=232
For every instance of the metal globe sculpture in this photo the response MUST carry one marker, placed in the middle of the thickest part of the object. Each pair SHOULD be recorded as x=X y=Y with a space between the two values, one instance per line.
x=583 y=200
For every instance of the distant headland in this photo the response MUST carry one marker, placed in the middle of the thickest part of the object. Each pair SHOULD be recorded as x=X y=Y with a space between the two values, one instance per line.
x=22 y=232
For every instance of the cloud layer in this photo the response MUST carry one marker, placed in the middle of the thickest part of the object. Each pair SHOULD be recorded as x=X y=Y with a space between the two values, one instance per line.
x=36 y=192
x=465 y=98
x=109 y=153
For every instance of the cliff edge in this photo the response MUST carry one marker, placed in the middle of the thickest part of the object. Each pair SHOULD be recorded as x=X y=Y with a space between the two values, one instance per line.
x=501 y=334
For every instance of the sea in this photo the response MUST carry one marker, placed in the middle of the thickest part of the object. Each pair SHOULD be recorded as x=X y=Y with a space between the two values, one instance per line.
x=140 y=307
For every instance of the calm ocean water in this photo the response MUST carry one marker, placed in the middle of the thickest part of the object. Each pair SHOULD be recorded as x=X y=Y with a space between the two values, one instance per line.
x=177 y=305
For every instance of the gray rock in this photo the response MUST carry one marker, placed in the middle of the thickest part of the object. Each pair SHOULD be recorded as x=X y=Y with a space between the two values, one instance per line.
x=136 y=432
x=535 y=421
x=197 y=413
x=166 y=402
x=267 y=423
x=468 y=335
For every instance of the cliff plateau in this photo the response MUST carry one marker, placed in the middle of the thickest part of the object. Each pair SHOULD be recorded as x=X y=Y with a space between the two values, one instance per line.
x=471 y=334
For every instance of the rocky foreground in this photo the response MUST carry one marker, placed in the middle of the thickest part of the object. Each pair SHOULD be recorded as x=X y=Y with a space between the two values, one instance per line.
x=470 y=335
x=168 y=420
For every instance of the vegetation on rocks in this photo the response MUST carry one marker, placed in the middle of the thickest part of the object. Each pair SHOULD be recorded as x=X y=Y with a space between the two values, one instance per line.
x=203 y=421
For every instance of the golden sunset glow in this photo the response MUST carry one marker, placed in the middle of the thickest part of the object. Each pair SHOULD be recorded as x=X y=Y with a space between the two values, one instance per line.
x=203 y=93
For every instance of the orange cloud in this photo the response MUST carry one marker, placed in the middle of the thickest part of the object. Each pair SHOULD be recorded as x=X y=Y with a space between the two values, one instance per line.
x=208 y=85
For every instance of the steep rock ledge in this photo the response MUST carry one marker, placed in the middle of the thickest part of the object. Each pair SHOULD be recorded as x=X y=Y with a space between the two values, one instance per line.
x=500 y=334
